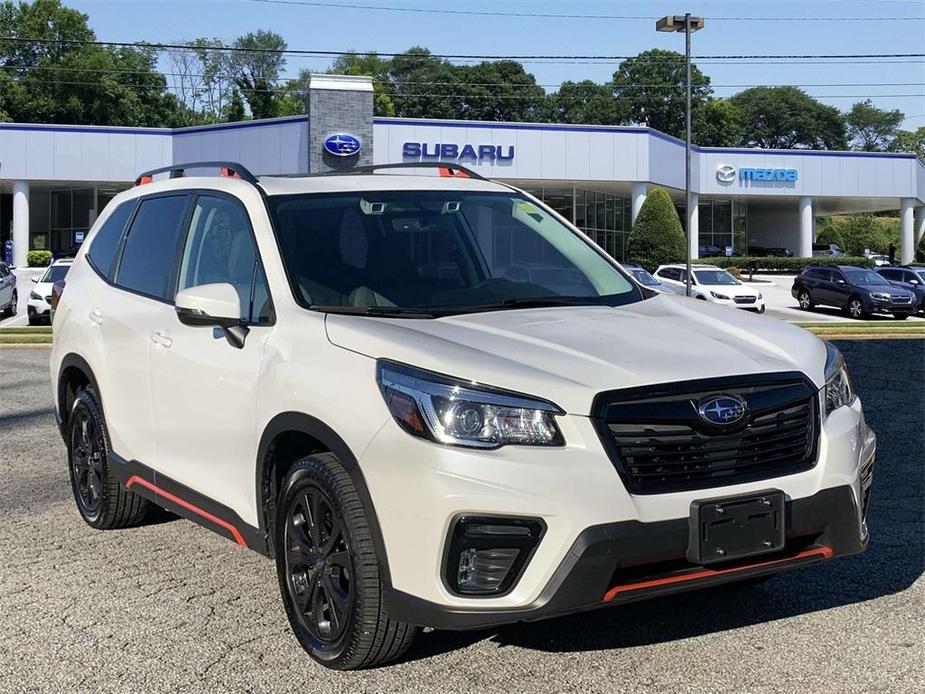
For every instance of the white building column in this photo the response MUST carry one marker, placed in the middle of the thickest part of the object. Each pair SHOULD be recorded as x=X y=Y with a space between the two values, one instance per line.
x=919 y=226
x=693 y=225
x=638 y=197
x=20 y=222
x=906 y=241
x=806 y=227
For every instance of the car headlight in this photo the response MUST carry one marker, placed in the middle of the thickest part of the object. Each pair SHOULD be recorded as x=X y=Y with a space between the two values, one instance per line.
x=880 y=295
x=838 y=390
x=717 y=295
x=453 y=412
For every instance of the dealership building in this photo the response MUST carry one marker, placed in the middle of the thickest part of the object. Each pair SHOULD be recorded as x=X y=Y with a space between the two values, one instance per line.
x=55 y=179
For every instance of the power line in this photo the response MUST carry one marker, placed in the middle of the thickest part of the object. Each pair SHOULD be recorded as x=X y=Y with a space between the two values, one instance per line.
x=556 y=15
x=330 y=53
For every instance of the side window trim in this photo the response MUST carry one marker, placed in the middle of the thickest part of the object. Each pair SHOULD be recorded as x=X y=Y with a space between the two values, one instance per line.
x=258 y=269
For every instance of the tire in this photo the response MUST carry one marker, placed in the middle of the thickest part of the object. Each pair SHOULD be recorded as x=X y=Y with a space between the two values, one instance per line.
x=805 y=299
x=101 y=500
x=762 y=310
x=10 y=310
x=855 y=308
x=337 y=617
x=34 y=319
x=900 y=316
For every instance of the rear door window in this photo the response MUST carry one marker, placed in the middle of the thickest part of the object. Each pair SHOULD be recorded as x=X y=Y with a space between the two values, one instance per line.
x=105 y=243
x=149 y=260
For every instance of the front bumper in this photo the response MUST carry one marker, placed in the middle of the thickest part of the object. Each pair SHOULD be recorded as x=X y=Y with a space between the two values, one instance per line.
x=38 y=309
x=418 y=489
x=629 y=561
x=881 y=306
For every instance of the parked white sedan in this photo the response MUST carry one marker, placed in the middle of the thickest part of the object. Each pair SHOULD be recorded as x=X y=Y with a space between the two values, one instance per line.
x=711 y=283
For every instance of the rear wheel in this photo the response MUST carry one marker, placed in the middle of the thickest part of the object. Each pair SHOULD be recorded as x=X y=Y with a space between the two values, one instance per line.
x=328 y=571
x=805 y=300
x=10 y=310
x=101 y=500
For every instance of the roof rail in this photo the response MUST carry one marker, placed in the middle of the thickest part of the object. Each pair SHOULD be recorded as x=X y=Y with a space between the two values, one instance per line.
x=446 y=169
x=229 y=169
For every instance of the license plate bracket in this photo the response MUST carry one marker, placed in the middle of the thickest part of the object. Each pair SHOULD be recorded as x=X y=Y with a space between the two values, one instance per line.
x=736 y=527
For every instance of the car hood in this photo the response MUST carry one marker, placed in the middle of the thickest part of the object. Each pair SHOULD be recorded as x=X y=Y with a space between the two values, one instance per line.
x=569 y=354
x=42 y=288
x=730 y=289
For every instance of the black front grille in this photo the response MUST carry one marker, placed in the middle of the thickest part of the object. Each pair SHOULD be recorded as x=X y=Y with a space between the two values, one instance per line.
x=745 y=299
x=659 y=443
x=867 y=478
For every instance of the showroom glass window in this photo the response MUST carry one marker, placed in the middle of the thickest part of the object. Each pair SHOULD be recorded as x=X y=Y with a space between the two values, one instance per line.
x=150 y=251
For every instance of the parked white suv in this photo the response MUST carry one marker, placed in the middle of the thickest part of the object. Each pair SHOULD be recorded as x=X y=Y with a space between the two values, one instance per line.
x=39 y=305
x=710 y=283
x=338 y=372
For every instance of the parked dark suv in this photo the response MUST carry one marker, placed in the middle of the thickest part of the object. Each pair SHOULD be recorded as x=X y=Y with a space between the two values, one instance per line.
x=858 y=290
x=911 y=279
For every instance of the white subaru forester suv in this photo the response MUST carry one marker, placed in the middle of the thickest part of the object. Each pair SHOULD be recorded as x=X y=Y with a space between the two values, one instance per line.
x=352 y=374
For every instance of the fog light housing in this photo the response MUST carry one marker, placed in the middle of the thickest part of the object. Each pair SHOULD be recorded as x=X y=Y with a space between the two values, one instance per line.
x=485 y=556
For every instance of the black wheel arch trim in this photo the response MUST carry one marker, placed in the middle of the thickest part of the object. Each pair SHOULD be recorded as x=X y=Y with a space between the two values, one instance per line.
x=72 y=360
x=302 y=423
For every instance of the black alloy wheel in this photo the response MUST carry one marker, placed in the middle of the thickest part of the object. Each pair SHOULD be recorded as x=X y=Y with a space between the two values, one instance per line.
x=87 y=451
x=101 y=499
x=328 y=569
x=319 y=571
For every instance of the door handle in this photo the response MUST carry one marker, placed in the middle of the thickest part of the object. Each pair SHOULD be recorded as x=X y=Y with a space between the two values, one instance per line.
x=161 y=338
x=96 y=316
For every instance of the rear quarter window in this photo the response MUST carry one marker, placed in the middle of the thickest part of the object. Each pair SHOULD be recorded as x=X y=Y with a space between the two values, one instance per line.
x=105 y=243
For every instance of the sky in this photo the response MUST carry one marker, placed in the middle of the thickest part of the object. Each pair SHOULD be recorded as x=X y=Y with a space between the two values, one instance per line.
x=894 y=85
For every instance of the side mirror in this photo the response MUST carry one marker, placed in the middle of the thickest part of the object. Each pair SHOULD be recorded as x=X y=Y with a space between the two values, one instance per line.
x=841 y=282
x=35 y=280
x=914 y=282
x=213 y=305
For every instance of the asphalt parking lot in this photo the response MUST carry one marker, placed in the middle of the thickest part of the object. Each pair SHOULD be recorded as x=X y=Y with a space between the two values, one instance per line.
x=173 y=607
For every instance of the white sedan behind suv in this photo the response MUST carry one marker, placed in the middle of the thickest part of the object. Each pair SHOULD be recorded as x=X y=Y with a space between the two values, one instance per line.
x=714 y=284
x=339 y=372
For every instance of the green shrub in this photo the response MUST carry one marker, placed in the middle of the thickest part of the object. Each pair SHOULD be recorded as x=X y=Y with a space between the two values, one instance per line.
x=743 y=263
x=735 y=272
x=38 y=258
x=855 y=233
x=656 y=237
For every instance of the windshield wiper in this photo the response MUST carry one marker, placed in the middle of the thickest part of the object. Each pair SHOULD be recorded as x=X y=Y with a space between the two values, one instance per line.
x=381 y=311
x=528 y=302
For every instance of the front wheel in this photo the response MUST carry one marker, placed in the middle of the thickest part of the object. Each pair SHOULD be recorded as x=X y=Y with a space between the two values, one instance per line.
x=900 y=316
x=328 y=571
x=762 y=309
x=856 y=308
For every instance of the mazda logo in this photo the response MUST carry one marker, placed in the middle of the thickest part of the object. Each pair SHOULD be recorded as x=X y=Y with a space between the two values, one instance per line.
x=722 y=409
x=725 y=173
x=342 y=144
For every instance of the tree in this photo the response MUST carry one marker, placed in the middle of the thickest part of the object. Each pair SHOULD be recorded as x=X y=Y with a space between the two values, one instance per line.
x=497 y=91
x=872 y=129
x=856 y=233
x=425 y=86
x=650 y=90
x=372 y=65
x=61 y=78
x=717 y=123
x=788 y=118
x=256 y=63
x=234 y=111
x=582 y=102
x=656 y=237
x=910 y=141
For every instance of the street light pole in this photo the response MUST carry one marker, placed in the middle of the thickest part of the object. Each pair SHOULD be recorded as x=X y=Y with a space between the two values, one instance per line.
x=688 y=25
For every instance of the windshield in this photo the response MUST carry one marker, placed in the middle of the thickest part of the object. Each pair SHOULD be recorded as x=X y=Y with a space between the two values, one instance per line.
x=920 y=273
x=864 y=277
x=55 y=273
x=437 y=252
x=714 y=277
x=643 y=277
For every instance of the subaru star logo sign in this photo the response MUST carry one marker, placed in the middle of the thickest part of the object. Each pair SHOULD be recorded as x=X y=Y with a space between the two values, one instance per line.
x=342 y=144
x=725 y=173
x=722 y=409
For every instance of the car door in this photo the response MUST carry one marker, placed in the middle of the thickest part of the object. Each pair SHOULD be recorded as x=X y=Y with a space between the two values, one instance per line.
x=121 y=313
x=7 y=284
x=204 y=389
x=838 y=289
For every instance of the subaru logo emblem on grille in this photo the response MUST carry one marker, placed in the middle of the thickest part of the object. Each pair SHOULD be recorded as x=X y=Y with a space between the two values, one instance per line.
x=342 y=144
x=721 y=409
